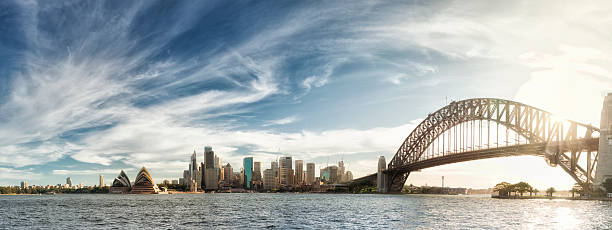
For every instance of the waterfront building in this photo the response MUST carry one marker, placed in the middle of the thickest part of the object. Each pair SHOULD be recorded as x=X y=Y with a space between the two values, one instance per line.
x=69 y=182
x=211 y=171
x=193 y=164
x=144 y=183
x=241 y=177
x=299 y=172
x=283 y=176
x=274 y=167
x=24 y=184
x=341 y=175
x=227 y=174
x=333 y=174
x=310 y=173
x=121 y=184
x=257 y=171
x=269 y=180
x=285 y=164
x=101 y=180
x=202 y=176
x=324 y=174
x=291 y=178
x=349 y=176
x=186 y=177
x=218 y=168
x=248 y=172
x=175 y=182
x=380 y=178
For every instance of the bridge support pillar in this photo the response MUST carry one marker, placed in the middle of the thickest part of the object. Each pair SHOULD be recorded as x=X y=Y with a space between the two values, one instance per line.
x=604 y=160
x=382 y=182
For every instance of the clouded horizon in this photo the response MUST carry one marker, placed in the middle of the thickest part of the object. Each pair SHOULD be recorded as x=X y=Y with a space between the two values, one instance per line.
x=93 y=87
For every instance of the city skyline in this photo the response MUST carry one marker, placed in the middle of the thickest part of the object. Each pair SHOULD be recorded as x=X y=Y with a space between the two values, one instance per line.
x=88 y=88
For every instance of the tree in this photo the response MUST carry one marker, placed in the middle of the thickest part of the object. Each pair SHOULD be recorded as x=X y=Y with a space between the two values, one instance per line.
x=607 y=184
x=576 y=189
x=550 y=191
x=522 y=187
x=535 y=191
x=503 y=188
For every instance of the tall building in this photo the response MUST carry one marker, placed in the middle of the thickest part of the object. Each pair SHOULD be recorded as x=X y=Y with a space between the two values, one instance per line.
x=101 y=181
x=227 y=174
x=310 y=173
x=24 y=184
x=218 y=167
x=604 y=161
x=349 y=176
x=285 y=164
x=341 y=169
x=194 y=171
x=194 y=164
x=269 y=180
x=380 y=178
x=283 y=176
x=257 y=171
x=324 y=174
x=186 y=177
x=211 y=170
x=248 y=172
x=69 y=181
x=202 y=176
x=333 y=174
x=299 y=172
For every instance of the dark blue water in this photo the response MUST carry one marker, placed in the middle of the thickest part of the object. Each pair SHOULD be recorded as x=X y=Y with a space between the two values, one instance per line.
x=305 y=211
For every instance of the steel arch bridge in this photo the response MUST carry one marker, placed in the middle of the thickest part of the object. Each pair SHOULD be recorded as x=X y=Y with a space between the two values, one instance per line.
x=470 y=130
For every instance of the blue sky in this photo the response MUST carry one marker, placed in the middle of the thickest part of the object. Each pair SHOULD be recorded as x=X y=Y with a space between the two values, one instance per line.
x=93 y=87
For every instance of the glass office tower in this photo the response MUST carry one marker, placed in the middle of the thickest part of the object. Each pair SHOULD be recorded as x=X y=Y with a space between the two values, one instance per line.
x=248 y=172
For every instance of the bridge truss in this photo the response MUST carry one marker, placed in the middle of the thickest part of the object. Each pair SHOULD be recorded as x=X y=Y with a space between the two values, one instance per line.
x=483 y=128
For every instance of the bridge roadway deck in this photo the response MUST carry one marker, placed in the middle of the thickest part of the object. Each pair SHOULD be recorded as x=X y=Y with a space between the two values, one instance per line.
x=537 y=149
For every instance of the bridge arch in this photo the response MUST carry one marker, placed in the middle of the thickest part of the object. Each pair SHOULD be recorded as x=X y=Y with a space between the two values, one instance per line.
x=562 y=142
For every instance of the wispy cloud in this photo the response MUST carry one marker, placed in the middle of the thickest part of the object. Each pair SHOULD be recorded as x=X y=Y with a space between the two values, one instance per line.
x=88 y=172
x=283 y=121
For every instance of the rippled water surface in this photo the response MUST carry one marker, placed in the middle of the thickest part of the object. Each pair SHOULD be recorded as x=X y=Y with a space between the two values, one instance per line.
x=307 y=211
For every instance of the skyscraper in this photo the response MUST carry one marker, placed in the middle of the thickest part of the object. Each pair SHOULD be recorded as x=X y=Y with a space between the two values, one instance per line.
x=257 y=171
x=380 y=178
x=341 y=176
x=285 y=164
x=227 y=174
x=194 y=164
x=333 y=174
x=212 y=182
x=299 y=172
x=310 y=173
x=349 y=176
x=269 y=180
x=101 y=181
x=69 y=182
x=248 y=172
x=202 y=176
x=194 y=171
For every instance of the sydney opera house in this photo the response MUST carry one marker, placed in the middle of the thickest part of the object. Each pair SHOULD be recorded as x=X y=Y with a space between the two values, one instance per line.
x=142 y=185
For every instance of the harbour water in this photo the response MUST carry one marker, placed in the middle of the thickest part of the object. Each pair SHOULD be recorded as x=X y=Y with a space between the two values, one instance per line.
x=303 y=211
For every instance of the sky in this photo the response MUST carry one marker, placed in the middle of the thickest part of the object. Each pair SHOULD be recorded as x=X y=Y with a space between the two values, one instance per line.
x=94 y=87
